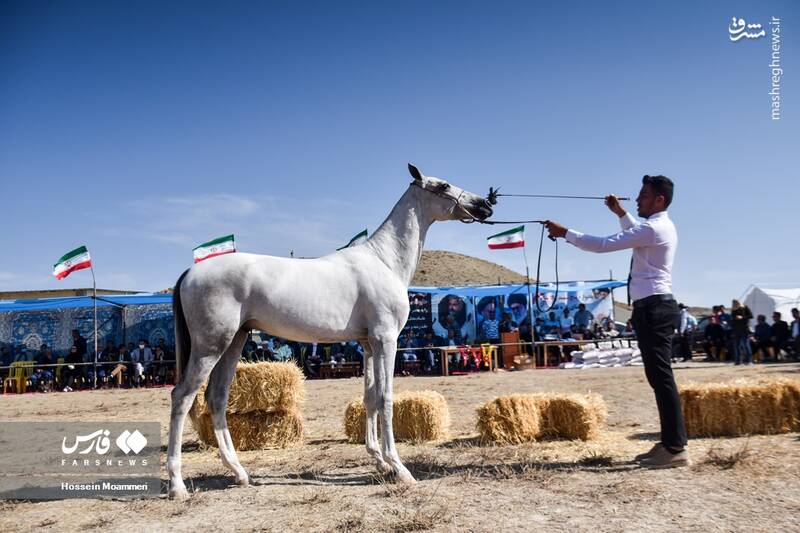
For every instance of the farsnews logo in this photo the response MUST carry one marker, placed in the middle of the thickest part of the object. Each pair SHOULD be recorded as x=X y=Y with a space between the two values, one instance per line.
x=99 y=443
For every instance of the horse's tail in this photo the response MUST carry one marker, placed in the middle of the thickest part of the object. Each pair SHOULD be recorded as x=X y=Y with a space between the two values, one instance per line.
x=183 y=342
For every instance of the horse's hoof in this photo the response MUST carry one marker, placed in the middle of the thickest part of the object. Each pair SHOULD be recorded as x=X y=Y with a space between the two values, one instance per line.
x=179 y=494
x=405 y=478
x=243 y=481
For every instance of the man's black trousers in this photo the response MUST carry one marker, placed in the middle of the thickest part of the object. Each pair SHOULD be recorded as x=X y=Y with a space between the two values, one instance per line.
x=655 y=320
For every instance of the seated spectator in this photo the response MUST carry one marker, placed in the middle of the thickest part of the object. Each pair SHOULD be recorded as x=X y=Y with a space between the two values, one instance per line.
x=507 y=325
x=159 y=367
x=795 y=333
x=105 y=358
x=429 y=356
x=778 y=334
x=313 y=359
x=628 y=331
x=6 y=358
x=552 y=325
x=353 y=352
x=565 y=323
x=141 y=360
x=42 y=378
x=249 y=349
x=714 y=338
x=72 y=369
x=409 y=344
x=761 y=337
x=123 y=366
x=280 y=350
x=583 y=318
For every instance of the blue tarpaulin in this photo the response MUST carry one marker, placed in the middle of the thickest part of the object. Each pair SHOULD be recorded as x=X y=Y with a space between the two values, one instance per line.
x=491 y=290
x=78 y=302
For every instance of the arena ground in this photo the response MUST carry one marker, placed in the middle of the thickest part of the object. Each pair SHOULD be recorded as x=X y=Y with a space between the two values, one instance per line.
x=736 y=484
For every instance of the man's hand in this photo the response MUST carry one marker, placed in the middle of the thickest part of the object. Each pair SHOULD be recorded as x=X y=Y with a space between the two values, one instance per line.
x=612 y=202
x=554 y=229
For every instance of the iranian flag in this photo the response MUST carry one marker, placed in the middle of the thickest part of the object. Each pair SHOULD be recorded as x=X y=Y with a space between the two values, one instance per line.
x=513 y=238
x=77 y=259
x=358 y=239
x=221 y=246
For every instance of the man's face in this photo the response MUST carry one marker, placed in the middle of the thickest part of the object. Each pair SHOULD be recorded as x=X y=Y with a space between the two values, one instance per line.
x=648 y=203
x=489 y=311
x=795 y=313
x=518 y=310
x=776 y=317
x=454 y=305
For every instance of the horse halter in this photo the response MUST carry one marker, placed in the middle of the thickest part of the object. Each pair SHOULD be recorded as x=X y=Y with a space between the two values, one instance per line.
x=455 y=199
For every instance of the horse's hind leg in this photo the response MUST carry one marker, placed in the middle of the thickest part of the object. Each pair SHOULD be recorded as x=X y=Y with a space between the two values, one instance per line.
x=219 y=386
x=195 y=374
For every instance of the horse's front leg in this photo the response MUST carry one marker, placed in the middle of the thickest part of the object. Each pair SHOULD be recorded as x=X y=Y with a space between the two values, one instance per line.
x=371 y=406
x=384 y=348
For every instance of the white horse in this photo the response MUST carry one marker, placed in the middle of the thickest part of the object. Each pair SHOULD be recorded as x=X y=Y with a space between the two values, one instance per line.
x=356 y=293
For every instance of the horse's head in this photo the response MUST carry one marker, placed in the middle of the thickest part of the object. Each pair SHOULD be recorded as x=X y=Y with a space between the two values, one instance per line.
x=448 y=202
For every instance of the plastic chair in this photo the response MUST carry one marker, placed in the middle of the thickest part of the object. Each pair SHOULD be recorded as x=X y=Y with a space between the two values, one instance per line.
x=18 y=376
x=12 y=381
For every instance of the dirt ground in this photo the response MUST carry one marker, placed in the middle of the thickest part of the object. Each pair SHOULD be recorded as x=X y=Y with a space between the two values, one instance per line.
x=736 y=484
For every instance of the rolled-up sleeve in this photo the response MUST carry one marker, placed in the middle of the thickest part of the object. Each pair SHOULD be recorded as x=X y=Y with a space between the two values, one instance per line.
x=634 y=237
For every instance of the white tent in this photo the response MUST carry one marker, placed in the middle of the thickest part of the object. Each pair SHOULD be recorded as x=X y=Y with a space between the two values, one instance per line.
x=765 y=300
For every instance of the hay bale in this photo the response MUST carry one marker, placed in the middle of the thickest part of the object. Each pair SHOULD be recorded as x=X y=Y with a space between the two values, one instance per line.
x=266 y=387
x=254 y=430
x=417 y=416
x=510 y=419
x=528 y=417
x=355 y=421
x=263 y=407
x=741 y=408
x=571 y=416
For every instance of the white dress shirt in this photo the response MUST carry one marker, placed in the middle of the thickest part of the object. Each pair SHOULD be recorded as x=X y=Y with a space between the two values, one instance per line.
x=653 y=241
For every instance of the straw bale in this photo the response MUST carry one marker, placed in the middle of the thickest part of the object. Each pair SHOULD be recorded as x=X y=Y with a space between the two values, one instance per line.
x=529 y=417
x=741 y=408
x=510 y=419
x=264 y=387
x=417 y=416
x=571 y=416
x=254 y=430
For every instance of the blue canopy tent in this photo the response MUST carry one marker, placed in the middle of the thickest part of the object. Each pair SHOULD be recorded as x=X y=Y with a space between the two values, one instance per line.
x=121 y=318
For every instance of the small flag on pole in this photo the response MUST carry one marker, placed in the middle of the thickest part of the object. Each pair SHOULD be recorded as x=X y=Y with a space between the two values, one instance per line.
x=358 y=239
x=220 y=246
x=77 y=259
x=513 y=238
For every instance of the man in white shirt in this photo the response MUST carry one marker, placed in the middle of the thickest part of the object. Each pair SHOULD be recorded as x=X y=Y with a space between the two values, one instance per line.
x=655 y=311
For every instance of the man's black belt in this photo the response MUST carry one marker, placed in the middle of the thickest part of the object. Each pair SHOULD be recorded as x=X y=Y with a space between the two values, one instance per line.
x=655 y=298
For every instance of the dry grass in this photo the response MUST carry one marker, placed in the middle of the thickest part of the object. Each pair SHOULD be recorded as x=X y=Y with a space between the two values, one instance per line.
x=741 y=408
x=727 y=460
x=528 y=417
x=417 y=416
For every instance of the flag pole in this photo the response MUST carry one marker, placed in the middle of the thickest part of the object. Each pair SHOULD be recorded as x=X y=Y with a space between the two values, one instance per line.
x=94 y=299
x=528 y=284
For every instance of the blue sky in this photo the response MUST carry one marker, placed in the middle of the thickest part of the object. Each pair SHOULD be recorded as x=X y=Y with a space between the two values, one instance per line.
x=145 y=128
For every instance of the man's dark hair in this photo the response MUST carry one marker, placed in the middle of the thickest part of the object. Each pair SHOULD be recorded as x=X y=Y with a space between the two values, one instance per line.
x=517 y=298
x=661 y=185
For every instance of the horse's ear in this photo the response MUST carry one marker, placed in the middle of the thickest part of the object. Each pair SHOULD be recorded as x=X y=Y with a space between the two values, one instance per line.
x=415 y=173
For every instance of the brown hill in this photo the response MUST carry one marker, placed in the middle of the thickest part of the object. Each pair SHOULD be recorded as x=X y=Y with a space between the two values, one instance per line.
x=438 y=268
